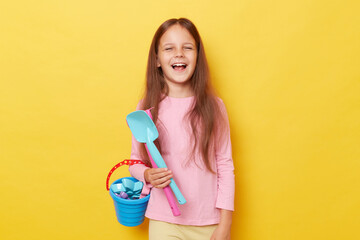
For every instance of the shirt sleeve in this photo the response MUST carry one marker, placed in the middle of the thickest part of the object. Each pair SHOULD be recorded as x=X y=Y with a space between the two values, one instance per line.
x=137 y=170
x=225 y=167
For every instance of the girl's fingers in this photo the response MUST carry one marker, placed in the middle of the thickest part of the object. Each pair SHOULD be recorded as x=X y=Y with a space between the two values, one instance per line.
x=158 y=173
x=163 y=184
x=161 y=180
x=161 y=174
x=159 y=177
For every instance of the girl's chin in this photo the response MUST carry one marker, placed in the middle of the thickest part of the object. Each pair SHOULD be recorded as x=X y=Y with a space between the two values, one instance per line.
x=178 y=81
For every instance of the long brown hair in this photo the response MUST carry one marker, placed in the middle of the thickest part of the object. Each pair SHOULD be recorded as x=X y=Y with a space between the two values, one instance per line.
x=205 y=112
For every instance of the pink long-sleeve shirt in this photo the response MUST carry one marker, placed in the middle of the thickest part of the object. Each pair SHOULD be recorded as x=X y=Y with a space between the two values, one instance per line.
x=206 y=193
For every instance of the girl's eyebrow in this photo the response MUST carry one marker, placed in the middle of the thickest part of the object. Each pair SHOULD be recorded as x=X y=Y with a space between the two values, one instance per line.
x=169 y=43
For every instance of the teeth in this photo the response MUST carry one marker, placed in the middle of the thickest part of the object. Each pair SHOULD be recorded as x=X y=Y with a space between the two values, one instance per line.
x=179 y=65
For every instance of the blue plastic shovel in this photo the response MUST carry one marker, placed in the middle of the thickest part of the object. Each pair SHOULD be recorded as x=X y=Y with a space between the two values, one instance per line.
x=144 y=131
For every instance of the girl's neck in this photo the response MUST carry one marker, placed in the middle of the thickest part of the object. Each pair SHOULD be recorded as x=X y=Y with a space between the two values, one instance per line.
x=181 y=91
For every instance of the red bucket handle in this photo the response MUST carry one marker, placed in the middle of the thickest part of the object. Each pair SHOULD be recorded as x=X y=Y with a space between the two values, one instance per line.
x=128 y=162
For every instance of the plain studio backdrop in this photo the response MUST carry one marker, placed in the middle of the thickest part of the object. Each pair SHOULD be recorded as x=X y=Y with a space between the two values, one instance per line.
x=288 y=72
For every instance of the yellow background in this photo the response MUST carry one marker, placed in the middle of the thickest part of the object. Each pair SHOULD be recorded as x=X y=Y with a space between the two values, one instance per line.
x=288 y=72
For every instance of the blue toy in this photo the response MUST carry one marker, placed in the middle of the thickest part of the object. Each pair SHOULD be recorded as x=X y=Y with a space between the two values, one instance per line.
x=127 y=188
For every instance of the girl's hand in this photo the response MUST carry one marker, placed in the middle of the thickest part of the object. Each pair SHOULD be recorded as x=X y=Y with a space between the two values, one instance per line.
x=223 y=230
x=221 y=233
x=158 y=177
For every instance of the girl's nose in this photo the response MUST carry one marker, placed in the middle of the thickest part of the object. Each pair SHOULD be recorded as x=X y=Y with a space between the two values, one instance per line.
x=179 y=53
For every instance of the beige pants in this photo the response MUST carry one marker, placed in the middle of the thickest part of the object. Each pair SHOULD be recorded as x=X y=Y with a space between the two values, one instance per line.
x=167 y=231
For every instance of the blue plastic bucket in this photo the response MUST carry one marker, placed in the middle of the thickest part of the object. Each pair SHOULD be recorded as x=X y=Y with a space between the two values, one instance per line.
x=129 y=212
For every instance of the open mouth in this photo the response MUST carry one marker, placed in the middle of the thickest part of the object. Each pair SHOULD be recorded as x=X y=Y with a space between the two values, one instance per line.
x=179 y=66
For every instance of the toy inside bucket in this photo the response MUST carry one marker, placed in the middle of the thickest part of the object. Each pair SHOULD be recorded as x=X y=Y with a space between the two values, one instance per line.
x=129 y=212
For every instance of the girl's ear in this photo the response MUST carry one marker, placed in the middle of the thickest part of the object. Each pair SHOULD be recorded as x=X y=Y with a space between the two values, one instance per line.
x=157 y=62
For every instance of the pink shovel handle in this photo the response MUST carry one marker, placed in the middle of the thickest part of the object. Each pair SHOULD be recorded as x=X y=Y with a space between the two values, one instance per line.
x=170 y=197
x=167 y=190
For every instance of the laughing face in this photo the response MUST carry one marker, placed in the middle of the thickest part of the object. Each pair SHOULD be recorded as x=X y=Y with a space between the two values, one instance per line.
x=177 y=56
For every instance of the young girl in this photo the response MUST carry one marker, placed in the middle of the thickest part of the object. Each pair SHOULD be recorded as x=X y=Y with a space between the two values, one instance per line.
x=194 y=139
